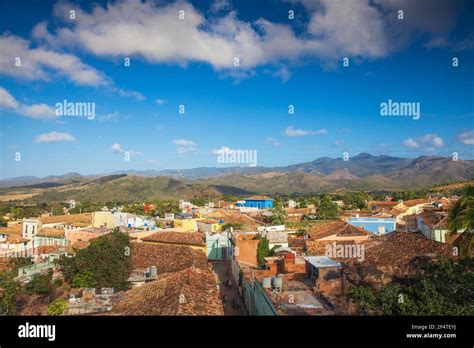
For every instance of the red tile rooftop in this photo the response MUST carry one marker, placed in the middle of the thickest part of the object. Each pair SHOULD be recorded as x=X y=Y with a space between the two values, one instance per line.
x=191 y=291
x=184 y=238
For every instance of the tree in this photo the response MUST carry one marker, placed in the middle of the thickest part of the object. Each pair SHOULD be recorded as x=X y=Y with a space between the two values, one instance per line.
x=278 y=216
x=57 y=209
x=40 y=284
x=263 y=249
x=199 y=201
x=9 y=290
x=461 y=217
x=327 y=210
x=84 y=279
x=443 y=288
x=106 y=262
x=57 y=307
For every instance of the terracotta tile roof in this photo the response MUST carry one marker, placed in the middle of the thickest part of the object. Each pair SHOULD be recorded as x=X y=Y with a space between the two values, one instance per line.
x=13 y=229
x=167 y=258
x=353 y=213
x=413 y=202
x=296 y=242
x=434 y=219
x=235 y=217
x=85 y=218
x=225 y=204
x=43 y=249
x=339 y=228
x=80 y=244
x=15 y=239
x=259 y=198
x=318 y=247
x=383 y=203
x=191 y=291
x=51 y=232
x=397 y=211
x=187 y=238
x=396 y=253
x=208 y=221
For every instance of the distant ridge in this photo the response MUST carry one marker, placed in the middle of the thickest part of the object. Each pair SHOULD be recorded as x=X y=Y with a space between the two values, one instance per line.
x=361 y=172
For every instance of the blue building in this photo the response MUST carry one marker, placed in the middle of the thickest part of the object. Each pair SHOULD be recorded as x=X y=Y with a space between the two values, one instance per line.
x=260 y=202
x=374 y=225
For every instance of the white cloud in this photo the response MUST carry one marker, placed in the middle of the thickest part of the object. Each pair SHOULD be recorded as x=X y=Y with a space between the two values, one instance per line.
x=273 y=141
x=427 y=142
x=184 y=142
x=283 y=73
x=432 y=140
x=41 y=111
x=128 y=93
x=185 y=146
x=45 y=64
x=160 y=101
x=410 y=143
x=292 y=132
x=37 y=63
x=38 y=111
x=116 y=148
x=220 y=6
x=135 y=153
x=154 y=32
x=54 y=137
x=7 y=100
x=466 y=138
x=352 y=28
x=437 y=42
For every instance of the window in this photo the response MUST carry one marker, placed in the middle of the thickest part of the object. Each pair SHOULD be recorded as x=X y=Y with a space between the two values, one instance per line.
x=224 y=252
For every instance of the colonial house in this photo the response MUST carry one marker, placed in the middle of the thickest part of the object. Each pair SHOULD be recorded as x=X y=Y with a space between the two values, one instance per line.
x=259 y=202
x=218 y=246
x=50 y=237
x=376 y=225
x=434 y=225
x=12 y=245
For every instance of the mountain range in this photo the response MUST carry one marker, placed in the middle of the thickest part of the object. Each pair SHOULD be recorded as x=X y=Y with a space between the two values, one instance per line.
x=362 y=172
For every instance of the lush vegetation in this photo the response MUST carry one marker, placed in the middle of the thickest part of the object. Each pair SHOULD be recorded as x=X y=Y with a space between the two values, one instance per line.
x=461 y=217
x=11 y=289
x=57 y=307
x=40 y=284
x=327 y=210
x=444 y=288
x=105 y=262
x=278 y=216
x=263 y=249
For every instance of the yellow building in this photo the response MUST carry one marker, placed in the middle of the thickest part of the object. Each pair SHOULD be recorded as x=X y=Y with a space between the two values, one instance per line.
x=185 y=225
x=103 y=219
x=208 y=226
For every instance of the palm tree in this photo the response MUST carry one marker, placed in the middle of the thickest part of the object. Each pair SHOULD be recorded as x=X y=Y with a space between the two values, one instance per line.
x=461 y=217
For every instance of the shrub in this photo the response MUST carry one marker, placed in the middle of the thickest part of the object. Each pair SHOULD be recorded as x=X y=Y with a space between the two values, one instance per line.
x=57 y=307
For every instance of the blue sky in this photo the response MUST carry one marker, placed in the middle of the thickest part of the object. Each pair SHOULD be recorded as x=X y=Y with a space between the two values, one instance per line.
x=190 y=62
